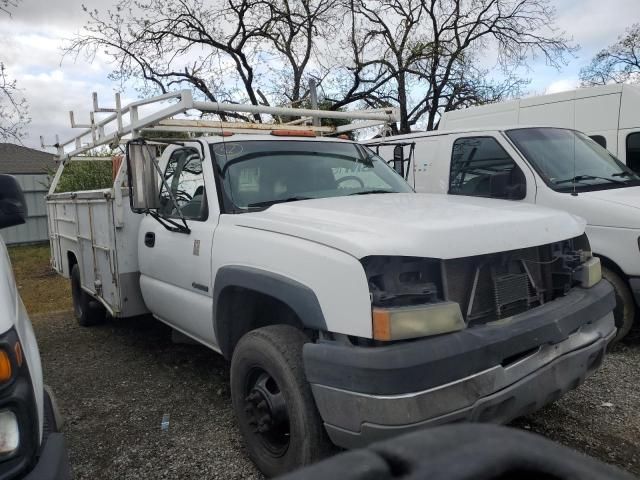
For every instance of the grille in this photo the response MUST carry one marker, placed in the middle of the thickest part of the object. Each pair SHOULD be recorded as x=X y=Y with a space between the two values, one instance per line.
x=490 y=287
x=512 y=293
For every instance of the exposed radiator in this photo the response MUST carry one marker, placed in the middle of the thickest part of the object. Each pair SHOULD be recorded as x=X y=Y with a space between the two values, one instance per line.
x=511 y=293
x=490 y=287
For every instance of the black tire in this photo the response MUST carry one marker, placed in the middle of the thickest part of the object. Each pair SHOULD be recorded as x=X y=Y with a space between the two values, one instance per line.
x=625 y=310
x=88 y=312
x=267 y=366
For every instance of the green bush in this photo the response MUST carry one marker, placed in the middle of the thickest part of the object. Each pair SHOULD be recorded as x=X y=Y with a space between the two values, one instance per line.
x=89 y=175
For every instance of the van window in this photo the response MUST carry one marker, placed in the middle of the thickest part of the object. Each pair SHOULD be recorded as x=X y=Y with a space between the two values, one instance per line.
x=600 y=140
x=568 y=161
x=633 y=151
x=482 y=168
x=184 y=177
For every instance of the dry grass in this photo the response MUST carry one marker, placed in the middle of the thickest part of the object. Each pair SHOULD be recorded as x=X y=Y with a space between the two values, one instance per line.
x=41 y=288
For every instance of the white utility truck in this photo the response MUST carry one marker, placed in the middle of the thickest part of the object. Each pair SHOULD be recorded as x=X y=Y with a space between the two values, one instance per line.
x=552 y=167
x=31 y=447
x=609 y=114
x=350 y=307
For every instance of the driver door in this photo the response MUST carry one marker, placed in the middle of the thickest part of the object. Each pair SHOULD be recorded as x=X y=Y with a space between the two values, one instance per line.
x=175 y=266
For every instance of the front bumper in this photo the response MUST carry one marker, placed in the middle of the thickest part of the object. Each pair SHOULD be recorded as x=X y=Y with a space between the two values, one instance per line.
x=490 y=373
x=53 y=460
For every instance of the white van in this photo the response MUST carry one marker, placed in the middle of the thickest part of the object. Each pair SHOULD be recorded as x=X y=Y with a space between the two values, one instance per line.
x=554 y=167
x=609 y=114
x=31 y=448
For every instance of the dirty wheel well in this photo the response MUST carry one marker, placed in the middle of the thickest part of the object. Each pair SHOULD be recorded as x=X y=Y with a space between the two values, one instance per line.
x=611 y=265
x=71 y=260
x=241 y=310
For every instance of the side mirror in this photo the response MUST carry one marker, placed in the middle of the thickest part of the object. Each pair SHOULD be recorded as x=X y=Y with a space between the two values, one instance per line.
x=143 y=177
x=502 y=186
x=13 y=208
x=398 y=159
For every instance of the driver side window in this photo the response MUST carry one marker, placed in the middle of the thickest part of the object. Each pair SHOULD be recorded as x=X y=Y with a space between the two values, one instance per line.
x=183 y=175
x=480 y=167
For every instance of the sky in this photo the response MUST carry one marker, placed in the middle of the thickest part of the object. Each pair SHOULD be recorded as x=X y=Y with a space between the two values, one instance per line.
x=32 y=37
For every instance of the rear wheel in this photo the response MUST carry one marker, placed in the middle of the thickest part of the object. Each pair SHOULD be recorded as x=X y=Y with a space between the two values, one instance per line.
x=87 y=311
x=625 y=310
x=273 y=402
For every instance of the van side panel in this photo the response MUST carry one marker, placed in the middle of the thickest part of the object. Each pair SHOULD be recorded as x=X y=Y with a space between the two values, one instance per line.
x=630 y=107
x=487 y=115
x=430 y=174
x=559 y=114
x=597 y=114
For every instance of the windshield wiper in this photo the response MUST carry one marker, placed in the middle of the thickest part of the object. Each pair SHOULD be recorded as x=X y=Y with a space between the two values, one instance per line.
x=268 y=203
x=367 y=192
x=579 y=178
x=633 y=177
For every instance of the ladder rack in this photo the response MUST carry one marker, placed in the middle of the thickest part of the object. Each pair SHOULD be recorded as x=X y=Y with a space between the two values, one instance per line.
x=127 y=122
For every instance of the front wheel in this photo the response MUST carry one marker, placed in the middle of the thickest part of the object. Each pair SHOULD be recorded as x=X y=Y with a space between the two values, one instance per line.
x=273 y=402
x=625 y=310
x=87 y=311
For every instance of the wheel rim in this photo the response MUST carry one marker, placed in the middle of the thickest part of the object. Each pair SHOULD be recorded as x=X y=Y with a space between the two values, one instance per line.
x=266 y=412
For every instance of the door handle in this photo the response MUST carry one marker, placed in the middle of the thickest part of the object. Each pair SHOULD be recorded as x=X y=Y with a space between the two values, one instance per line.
x=150 y=239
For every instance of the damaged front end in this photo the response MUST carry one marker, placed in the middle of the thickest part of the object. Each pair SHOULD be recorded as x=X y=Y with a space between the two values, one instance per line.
x=414 y=297
x=522 y=328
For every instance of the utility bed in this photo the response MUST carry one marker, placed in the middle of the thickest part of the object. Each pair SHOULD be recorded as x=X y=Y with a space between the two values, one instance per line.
x=103 y=237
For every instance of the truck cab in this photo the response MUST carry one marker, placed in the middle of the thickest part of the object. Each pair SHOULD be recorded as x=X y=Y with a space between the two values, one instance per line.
x=31 y=446
x=548 y=166
x=351 y=309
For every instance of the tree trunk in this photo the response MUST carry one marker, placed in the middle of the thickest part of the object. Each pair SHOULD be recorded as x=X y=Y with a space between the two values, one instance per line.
x=402 y=101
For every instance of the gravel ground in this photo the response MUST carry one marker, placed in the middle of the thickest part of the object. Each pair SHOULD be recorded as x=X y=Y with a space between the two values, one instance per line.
x=115 y=382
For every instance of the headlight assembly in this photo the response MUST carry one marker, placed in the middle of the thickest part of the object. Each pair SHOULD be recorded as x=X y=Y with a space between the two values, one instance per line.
x=9 y=432
x=407 y=300
x=401 y=323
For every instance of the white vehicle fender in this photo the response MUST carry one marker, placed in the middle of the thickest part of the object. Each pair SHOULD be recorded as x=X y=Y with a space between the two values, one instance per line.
x=284 y=265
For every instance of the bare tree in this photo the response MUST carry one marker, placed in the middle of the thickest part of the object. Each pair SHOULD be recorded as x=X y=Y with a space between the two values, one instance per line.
x=471 y=86
x=421 y=54
x=7 y=5
x=618 y=63
x=13 y=109
x=224 y=51
x=175 y=44
x=13 y=106
x=295 y=32
x=385 y=42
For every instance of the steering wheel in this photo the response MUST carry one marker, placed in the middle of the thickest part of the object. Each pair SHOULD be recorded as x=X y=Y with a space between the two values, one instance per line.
x=350 y=177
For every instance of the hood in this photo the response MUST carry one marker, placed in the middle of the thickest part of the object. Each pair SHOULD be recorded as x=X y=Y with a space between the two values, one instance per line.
x=420 y=225
x=616 y=207
x=629 y=196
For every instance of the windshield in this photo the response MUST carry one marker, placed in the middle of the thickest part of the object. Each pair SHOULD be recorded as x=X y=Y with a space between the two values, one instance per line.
x=570 y=161
x=259 y=173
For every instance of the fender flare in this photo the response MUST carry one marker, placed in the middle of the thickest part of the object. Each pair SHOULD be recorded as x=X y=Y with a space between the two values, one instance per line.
x=300 y=298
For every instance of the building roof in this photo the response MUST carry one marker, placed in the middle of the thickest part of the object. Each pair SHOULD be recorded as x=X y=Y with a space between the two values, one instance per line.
x=19 y=160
